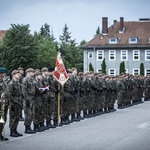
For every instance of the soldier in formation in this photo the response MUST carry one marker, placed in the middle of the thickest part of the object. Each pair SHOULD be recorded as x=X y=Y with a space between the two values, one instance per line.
x=82 y=96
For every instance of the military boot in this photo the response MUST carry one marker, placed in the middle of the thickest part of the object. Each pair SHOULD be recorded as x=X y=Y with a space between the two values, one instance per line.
x=79 y=116
x=28 y=130
x=72 y=117
x=43 y=127
x=66 y=120
x=85 y=115
x=49 y=125
x=21 y=118
x=12 y=133
x=19 y=134
x=36 y=128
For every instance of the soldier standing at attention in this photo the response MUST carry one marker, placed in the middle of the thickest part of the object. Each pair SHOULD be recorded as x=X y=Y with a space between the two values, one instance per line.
x=3 y=89
x=15 y=103
x=28 y=89
x=21 y=72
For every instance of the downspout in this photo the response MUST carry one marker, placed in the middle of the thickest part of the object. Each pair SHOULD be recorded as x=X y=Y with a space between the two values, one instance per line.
x=95 y=60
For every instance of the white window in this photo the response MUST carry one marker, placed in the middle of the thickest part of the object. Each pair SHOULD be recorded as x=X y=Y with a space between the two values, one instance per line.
x=99 y=71
x=147 y=54
x=147 y=71
x=112 y=72
x=126 y=71
x=100 y=55
x=124 y=55
x=113 y=40
x=133 y=40
x=136 y=54
x=136 y=71
x=112 y=55
x=90 y=55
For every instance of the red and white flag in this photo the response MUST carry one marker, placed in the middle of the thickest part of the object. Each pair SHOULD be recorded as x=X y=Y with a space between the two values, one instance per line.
x=60 y=72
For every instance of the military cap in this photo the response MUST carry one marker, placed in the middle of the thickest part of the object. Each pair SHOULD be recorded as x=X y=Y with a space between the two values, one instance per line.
x=96 y=73
x=74 y=69
x=37 y=73
x=69 y=70
x=44 y=69
x=80 y=73
x=37 y=70
x=20 y=68
x=2 y=70
x=14 y=72
x=30 y=70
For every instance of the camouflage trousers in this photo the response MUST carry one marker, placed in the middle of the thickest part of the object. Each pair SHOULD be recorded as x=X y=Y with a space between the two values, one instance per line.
x=120 y=96
x=37 y=108
x=14 y=115
x=28 y=110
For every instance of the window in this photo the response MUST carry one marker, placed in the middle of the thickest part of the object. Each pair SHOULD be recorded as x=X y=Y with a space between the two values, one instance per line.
x=147 y=71
x=136 y=71
x=112 y=72
x=147 y=54
x=100 y=55
x=136 y=54
x=112 y=55
x=113 y=40
x=124 y=55
x=99 y=71
x=126 y=71
x=90 y=55
x=133 y=40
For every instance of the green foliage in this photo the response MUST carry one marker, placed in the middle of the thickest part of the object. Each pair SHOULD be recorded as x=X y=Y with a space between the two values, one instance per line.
x=97 y=30
x=91 y=67
x=19 y=48
x=122 y=68
x=46 y=51
x=103 y=66
x=142 y=69
x=71 y=54
x=45 y=31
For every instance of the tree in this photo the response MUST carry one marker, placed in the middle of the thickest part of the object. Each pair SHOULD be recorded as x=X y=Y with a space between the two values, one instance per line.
x=66 y=36
x=142 y=69
x=97 y=31
x=122 y=68
x=45 y=31
x=71 y=53
x=103 y=66
x=19 y=48
x=91 y=67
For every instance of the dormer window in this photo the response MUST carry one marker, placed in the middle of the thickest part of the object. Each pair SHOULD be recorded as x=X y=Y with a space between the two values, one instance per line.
x=113 y=40
x=133 y=40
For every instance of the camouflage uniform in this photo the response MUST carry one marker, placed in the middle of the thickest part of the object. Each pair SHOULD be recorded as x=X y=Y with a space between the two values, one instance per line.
x=120 y=92
x=3 y=89
x=28 y=89
x=15 y=106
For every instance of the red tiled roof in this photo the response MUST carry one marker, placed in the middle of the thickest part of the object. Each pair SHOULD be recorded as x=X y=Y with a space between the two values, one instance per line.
x=2 y=33
x=132 y=29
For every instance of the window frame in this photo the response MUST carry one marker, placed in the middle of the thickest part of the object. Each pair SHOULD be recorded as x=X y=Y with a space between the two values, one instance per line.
x=146 y=71
x=133 y=42
x=114 y=55
x=146 y=55
x=138 y=55
x=109 y=70
x=113 y=42
x=133 y=71
x=98 y=55
x=89 y=55
x=126 y=55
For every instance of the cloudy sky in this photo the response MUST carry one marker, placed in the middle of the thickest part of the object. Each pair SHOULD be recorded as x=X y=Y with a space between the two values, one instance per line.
x=81 y=16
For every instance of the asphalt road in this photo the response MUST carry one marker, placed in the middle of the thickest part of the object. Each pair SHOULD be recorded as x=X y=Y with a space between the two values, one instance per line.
x=125 y=129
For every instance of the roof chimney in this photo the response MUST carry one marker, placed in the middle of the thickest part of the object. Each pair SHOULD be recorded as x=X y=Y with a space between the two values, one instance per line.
x=104 y=25
x=115 y=21
x=121 y=23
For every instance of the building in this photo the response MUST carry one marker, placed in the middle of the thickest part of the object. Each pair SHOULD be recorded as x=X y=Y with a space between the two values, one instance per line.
x=2 y=33
x=127 y=41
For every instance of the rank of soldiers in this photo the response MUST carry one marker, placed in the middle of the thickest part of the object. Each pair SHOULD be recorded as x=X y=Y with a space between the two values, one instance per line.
x=83 y=96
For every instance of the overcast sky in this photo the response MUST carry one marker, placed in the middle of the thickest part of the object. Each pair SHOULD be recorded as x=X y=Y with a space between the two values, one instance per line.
x=81 y=16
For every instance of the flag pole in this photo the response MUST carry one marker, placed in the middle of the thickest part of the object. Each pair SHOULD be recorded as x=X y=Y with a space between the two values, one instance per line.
x=58 y=104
